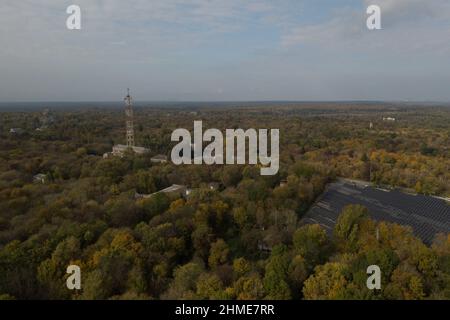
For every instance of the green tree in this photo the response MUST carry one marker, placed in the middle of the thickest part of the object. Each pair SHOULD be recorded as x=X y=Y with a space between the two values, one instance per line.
x=184 y=282
x=328 y=282
x=209 y=286
x=311 y=242
x=218 y=253
x=241 y=266
x=249 y=287
x=348 y=226
x=275 y=278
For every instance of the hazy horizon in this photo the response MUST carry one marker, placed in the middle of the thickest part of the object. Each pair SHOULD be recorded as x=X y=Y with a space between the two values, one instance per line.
x=202 y=103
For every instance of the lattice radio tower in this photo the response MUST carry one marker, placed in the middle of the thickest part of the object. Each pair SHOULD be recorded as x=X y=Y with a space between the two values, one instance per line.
x=129 y=120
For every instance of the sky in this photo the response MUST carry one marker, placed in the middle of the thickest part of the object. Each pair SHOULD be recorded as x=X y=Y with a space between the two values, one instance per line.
x=224 y=50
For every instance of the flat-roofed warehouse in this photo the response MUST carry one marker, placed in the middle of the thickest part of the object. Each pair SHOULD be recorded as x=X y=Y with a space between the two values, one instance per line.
x=427 y=215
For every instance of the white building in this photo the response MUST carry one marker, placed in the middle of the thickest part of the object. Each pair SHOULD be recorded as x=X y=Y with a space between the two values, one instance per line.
x=160 y=158
x=40 y=178
x=173 y=189
x=16 y=130
x=120 y=149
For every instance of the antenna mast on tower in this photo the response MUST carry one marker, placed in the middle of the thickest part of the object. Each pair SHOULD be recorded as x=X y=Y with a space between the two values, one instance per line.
x=129 y=120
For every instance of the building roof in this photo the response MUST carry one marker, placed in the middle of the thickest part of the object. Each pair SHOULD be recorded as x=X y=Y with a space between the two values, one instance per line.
x=213 y=185
x=172 y=189
x=427 y=215
x=159 y=158
x=40 y=177
x=16 y=130
x=123 y=148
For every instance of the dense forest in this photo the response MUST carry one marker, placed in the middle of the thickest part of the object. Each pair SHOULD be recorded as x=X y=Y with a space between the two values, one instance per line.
x=242 y=240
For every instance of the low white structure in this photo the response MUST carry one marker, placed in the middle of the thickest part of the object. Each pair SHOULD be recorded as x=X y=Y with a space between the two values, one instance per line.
x=40 y=178
x=119 y=150
x=213 y=186
x=160 y=158
x=173 y=189
x=16 y=130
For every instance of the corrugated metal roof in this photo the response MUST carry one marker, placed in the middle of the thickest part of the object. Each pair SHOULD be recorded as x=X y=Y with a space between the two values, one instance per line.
x=427 y=215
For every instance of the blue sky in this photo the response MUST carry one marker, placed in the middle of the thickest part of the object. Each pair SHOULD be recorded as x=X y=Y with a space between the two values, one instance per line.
x=225 y=50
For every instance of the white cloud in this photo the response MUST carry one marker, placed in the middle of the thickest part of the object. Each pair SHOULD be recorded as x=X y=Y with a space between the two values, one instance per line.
x=338 y=29
x=164 y=47
x=409 y=26
x=399 y=11
x=166 y=25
